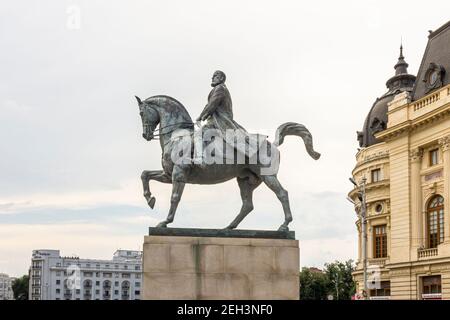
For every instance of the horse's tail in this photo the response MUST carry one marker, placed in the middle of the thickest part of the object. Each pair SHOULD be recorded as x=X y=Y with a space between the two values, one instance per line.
x=296 y=129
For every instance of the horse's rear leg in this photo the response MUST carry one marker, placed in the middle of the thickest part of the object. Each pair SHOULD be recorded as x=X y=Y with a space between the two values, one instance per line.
x=247 y=185
x=274 y=185
x=148 y=175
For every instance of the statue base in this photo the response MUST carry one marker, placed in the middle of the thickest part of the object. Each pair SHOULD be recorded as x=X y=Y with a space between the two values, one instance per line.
x=206 y=264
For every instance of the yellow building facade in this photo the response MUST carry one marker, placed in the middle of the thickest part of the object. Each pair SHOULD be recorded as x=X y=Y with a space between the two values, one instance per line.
x=405 y=159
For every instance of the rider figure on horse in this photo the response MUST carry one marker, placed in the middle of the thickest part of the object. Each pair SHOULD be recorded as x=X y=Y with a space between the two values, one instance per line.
x=218 y=114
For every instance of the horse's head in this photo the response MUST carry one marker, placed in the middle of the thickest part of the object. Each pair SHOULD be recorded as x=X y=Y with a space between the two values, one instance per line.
x=150 y=119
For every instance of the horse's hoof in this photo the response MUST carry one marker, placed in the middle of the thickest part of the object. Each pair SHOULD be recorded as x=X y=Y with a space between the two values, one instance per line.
x=151 y=202
x=283 y=228
x=162 y=225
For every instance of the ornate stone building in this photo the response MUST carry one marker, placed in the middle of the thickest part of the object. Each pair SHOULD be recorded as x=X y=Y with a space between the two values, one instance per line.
x=405 y=158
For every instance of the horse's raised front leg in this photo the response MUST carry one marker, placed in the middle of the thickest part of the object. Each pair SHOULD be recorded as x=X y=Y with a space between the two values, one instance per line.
x=178 y=183
x=246 y=186
x=148 y=175
x=274 y=185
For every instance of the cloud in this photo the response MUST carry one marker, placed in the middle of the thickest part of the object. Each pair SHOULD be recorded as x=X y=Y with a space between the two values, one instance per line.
x=12 y=207
x=320 y=251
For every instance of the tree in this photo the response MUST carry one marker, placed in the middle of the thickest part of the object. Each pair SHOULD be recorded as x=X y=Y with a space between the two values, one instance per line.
x=335 y=280
x=313 y=284
x=340 y=280
x=20 y=287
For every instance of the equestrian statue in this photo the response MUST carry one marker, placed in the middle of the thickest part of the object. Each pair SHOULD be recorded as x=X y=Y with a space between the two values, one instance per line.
x=215 y=152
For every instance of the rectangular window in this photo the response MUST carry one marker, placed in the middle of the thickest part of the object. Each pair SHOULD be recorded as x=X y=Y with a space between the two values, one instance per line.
x=434 y=157
x=58 y=291
x=376 y=175
x=58 y=281
x=431 y=287
x=380 y=242
x=383 y=291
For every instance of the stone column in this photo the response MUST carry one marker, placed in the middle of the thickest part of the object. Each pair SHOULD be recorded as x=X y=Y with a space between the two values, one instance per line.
x=415 y=157
x=444 y=143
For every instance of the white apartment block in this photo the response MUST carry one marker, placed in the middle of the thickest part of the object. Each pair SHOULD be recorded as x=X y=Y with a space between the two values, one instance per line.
x=53 y=277
x=6 y=292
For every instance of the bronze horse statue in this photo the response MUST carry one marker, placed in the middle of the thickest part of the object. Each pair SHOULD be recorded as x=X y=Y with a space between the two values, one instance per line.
x=175 y=125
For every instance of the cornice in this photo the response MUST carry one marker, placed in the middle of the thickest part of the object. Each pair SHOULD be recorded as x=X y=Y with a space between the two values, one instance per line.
x=371 y=158
x=371 y=186
x=409 y=126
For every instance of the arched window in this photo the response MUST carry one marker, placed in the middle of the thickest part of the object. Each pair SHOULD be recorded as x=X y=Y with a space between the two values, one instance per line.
x=435 y=221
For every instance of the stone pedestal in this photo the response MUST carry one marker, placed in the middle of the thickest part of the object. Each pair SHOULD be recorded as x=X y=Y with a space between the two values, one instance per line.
x=201 y=264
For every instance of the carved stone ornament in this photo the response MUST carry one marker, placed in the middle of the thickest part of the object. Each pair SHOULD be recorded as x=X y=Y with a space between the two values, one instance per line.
x=444 y=143
x=416 y=154
x=434 y=76
x=377 y=125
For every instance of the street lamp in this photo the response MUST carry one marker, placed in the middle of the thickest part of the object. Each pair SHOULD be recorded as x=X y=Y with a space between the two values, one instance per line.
x=363 y=221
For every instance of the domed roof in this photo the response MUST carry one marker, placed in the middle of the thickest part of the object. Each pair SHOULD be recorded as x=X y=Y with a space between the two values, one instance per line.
x=377 y=118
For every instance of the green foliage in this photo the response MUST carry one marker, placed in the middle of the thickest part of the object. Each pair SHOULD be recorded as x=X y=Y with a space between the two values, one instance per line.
x=20 y=288
x=335 y=280
x=341 y=284
x=313 y=285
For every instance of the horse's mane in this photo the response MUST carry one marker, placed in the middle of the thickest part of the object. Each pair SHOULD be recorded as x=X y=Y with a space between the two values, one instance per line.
x=174 y=102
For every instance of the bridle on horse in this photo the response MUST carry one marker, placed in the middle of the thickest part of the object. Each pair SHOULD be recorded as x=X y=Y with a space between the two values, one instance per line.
x=183 y=125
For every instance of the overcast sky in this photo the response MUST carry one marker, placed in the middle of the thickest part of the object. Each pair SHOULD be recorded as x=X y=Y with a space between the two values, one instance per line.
x=71 y=145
